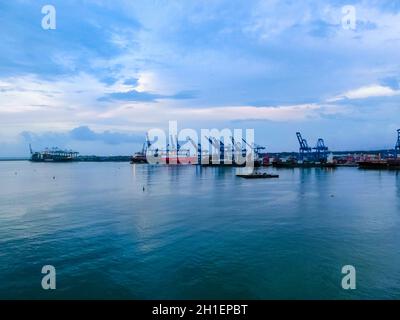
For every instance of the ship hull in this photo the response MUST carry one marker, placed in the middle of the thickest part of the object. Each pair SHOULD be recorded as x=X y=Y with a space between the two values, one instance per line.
x=374 y=165
x=303 y=165
x=53 y=160
x=390 y=164
x=258 y=176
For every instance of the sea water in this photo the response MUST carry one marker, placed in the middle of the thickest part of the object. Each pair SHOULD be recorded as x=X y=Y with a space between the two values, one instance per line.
x=116 y=230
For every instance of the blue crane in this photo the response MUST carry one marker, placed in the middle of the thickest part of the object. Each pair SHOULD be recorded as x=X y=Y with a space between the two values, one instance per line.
x=212 y=143
x=304 y=148
x=218 y=144
x=244 y=151
x=146 y=146
x=197 y=147
x=148 y=141
x=321 y=151
x=237 y=148
x=175 y=143
x=254 y=147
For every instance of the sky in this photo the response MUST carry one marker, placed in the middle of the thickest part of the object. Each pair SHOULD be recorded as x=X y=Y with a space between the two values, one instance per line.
x=111 y=70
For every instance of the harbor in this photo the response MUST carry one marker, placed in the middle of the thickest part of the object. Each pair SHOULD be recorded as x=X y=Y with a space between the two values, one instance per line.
x=233 y=154
x=307 y=157
x=177 y=227
x=180 y=229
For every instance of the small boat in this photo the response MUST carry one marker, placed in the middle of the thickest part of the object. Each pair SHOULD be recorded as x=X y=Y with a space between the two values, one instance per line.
x=258 y=175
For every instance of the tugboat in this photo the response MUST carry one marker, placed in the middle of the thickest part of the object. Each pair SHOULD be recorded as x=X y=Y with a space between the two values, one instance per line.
x=253 y=173
x=258 y=175
x=53 y=155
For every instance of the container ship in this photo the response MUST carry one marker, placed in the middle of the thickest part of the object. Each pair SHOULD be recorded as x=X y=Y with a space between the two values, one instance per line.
x=157 y=156
x=387 y=164
x=162 y=157
x=53 y=155
x=294 y=163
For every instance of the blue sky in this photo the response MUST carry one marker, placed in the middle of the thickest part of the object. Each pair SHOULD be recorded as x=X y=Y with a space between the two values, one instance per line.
x=114 y=69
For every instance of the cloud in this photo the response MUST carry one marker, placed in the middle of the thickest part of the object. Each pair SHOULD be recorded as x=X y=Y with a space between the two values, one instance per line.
x=27 y=92
x=140 y=96
x=131 y=95
x=131 y=82
x=127 y=66
x=82 y=133
x=210 y=115
x=367 y=92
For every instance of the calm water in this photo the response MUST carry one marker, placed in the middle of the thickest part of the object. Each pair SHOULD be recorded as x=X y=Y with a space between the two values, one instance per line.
x=197 y=233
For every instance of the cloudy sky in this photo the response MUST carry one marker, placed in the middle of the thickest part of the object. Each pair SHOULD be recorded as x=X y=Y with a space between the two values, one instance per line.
x=111 y=70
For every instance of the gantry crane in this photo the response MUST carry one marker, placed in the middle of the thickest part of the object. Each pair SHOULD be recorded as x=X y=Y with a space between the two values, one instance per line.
x=197 y=147
x=237 y=148
x=219 y=145
x=147 y=147
x=304 y=148
x=254 y=147
x=321 y=151
x=175 y=143
x=397 y=147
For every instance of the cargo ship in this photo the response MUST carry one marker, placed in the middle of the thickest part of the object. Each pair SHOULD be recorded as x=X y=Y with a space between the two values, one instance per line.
x=392 y=162
x=294 y=163
x=225 y=156
x=388 y=164
x=170 y=157
x=53 y=155
x=139 y=157
x=163 y=157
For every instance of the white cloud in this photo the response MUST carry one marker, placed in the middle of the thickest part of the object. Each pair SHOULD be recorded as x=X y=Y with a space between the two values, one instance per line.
x=367 y=92
x=29 y=93
x=148 y=81
x=163 y=112
x=31 y=103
